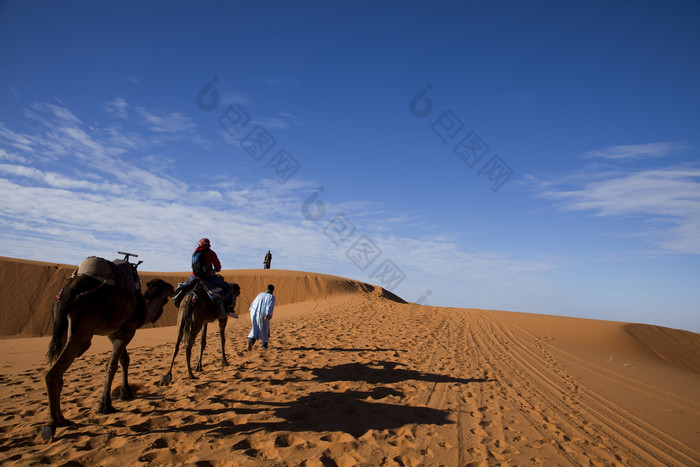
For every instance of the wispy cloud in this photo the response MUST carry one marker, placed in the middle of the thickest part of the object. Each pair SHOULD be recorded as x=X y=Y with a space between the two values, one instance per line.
x=62 y=135
x=16 y=140
x=637 y=151
x=274 y=81
x=231 y=98
x=60 y=112
x=91 y=193
x=173 y=122
x=117 y=107
x=100 y=192
x=56 y=180
x=668 y=196
x=11 y=157
x=282 y=121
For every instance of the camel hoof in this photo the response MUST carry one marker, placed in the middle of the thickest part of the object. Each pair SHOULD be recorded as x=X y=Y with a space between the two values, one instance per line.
x=47 y=433
x=166 y=380
x=63 y=422
x=126 y=394
x=193 y=376
x=107 y=409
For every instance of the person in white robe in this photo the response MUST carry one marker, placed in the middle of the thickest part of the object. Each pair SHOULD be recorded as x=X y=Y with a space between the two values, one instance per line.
x=260 y=315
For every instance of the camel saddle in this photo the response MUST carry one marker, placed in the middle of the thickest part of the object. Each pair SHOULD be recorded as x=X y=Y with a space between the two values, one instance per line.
x=183 y=288
x=119 y=273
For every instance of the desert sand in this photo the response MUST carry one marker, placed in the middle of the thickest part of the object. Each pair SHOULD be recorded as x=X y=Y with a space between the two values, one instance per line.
x=356 y=376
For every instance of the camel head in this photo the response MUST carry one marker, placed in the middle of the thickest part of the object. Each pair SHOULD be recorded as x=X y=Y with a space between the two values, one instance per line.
x=235 y=289
x=157 y=293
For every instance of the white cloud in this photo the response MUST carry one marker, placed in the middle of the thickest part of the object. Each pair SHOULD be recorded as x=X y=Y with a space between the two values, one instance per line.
x=117 y=107
x=637 y=151
x=281 y=122
x=56 y=180
x=11 y=157
x=101 y=199
x=173 y=122
x=87 y=196
x=16 y=140
x=669 y=196
x=61 y=112
x=231 y=98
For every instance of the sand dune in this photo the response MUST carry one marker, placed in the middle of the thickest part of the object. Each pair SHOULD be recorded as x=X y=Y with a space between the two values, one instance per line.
x=354 y=376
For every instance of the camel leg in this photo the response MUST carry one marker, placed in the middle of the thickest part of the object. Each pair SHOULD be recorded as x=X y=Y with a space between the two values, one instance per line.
x=196 y=327
x=54 y=383
x=119 y=343
x=188 y=356
x=222 y=335
x=168 y=377
x=126 y=393
x=203 y=338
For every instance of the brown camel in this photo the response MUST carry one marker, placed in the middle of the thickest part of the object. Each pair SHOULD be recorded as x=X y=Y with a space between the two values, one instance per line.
x=196 y=310
x=93 y=307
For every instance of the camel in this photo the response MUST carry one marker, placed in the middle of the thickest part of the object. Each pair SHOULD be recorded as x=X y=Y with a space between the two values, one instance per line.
x=89 y=306
x=196 y=310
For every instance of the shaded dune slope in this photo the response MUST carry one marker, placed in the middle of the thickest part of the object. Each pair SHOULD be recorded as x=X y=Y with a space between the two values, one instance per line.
x=677 y=347
x=29 y=289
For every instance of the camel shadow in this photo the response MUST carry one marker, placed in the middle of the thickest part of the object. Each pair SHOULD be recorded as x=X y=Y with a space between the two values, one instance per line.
x=352 y=412
x=383 y=372
x=338 y=349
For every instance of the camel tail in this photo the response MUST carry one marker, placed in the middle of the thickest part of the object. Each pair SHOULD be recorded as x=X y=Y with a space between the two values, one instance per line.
x=61 y=310
x=60 y=323
x=187 y=318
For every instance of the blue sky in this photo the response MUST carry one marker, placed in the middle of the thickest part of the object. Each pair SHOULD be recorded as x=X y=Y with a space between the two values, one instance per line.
x=538 y=157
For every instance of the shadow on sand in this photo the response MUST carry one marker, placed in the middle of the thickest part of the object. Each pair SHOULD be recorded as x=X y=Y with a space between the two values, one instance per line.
x=339 y=349
x=351 y=411
x=382 y=373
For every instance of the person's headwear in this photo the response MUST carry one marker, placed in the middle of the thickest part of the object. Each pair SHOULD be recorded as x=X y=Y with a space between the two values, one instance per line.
x=204 y=242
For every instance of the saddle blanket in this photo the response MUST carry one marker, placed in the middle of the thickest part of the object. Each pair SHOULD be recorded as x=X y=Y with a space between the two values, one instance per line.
x=214 y=293
x=119 y=273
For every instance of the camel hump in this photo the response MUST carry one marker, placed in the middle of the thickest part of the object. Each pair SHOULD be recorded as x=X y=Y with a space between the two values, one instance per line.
x=99 y=268
x=118 y=272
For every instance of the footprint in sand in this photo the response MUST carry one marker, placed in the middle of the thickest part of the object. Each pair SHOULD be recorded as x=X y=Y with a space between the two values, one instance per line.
x=339 y=437
x=244 y=445
x=289 y=440
x=117 y=442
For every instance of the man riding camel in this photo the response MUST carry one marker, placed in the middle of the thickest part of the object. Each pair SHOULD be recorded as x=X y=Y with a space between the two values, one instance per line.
x=205 y=265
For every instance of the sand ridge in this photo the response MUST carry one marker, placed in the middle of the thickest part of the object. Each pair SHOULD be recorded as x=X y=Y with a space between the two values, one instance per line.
x=354 y=377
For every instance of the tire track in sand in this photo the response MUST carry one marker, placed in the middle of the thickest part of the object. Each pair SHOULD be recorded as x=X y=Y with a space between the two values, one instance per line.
x=539 y=429
x=589 y=414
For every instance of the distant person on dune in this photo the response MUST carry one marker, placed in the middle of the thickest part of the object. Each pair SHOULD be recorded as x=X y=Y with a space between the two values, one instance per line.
x=260 y=315
x=268 y=260
x=205 y=265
